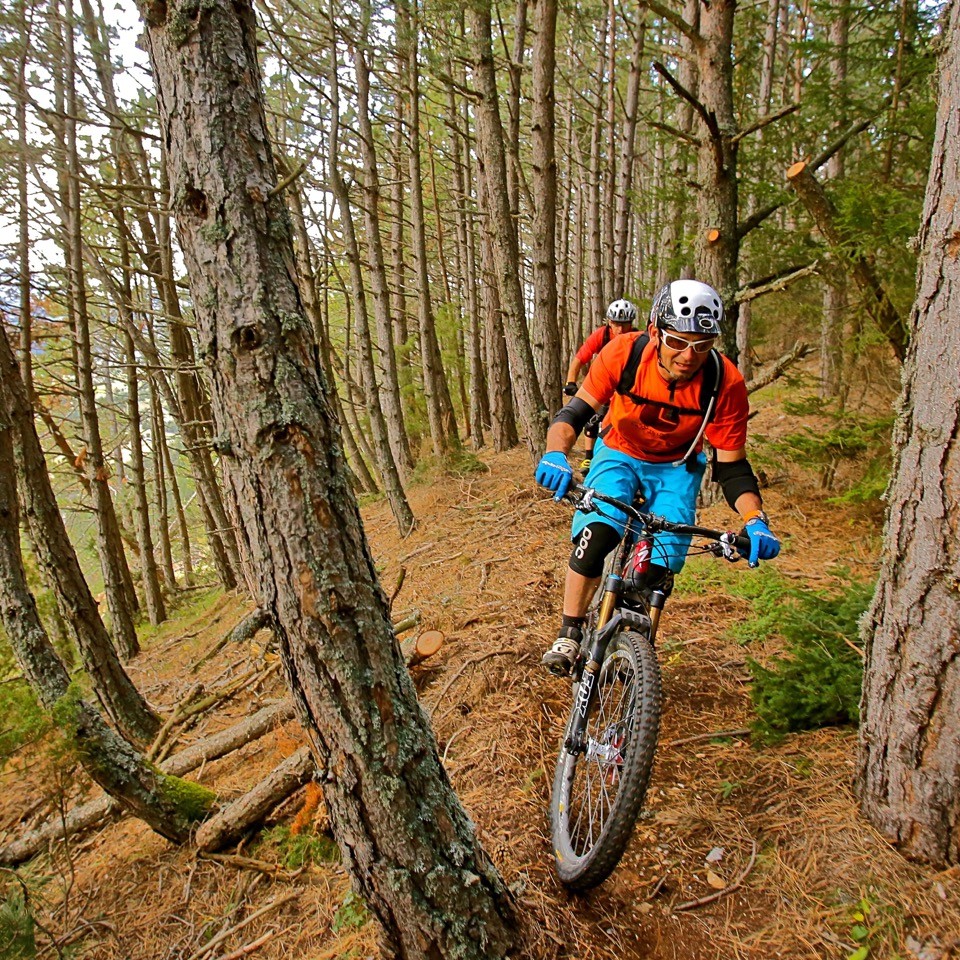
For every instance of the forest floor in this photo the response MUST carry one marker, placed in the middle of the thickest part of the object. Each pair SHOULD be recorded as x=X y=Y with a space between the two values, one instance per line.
x=485 y=567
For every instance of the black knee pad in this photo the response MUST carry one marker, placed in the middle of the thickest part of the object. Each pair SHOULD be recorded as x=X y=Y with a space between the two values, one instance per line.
x=590 y=549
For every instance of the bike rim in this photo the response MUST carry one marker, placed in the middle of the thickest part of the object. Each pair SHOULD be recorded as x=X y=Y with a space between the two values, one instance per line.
x=593 y=778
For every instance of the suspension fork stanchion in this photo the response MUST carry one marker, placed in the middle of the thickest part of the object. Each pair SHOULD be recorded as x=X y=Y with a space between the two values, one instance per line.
x=657 y=599
x=613 y=590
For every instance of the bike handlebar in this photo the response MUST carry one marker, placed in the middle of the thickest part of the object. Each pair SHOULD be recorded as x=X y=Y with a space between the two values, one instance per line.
x=583 y=498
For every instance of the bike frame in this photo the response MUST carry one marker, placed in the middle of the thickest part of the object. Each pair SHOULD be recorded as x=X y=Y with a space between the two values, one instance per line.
x=611 y=613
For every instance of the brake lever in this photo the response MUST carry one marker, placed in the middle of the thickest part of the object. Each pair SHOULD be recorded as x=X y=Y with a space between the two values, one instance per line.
x=583 y=499
x=728 y=547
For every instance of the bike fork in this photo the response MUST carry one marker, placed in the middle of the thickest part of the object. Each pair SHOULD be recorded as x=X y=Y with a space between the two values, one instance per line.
x=657 y=599
x=594 y=659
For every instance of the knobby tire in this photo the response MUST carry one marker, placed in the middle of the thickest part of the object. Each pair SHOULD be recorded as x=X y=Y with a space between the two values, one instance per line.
x=598 y=793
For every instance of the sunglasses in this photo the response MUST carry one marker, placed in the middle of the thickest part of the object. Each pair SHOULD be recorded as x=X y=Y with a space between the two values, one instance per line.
x=679 y=343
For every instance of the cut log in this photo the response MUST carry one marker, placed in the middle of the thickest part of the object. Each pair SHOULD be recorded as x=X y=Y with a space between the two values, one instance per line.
x=103 y=807
x=417 y=649
x=235 y=819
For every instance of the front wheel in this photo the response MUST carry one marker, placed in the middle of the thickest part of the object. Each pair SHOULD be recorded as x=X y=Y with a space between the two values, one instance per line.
x=603 y=773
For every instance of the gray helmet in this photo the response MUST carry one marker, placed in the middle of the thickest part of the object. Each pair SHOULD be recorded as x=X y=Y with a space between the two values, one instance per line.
x=622 y=311
x=687 y=306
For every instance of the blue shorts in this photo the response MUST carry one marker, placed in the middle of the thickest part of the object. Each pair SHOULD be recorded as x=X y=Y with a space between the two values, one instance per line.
x=670 y=491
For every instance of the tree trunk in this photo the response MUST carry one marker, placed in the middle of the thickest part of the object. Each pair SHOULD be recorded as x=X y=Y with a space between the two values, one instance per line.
x=718 y=241
x=503 y=422
x=491 y=157
x=95 y=811
x=834 y=289
x=153 y=598
x=162 y=469
x=627 y=158
x=389 y=384
x=466 y=243
x=118 y=585
x=909 y=737
x=405 y=839
x=378 y=426
x=443 y=425
x=229 y=824
x=546 y=330
x=168 y=805
x=120 y=699
x=192 y=411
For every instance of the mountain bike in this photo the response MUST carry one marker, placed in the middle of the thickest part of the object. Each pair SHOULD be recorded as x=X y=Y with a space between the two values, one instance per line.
x=606 y=758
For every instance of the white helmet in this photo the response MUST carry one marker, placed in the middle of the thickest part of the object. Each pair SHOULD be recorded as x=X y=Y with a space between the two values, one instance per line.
x=622 y=311
x=687 y=306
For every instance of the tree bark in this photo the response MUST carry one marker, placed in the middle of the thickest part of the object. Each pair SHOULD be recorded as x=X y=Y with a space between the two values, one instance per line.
x=546 y=330
x=118 y=696
x=443 y=425
x=909 y=737
x=405 y=839
x=168 y=805
x=386 y=463
x=491 y=157
x=718 y=241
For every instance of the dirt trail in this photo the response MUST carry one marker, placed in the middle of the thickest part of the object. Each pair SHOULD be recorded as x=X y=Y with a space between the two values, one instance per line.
x=485 y=566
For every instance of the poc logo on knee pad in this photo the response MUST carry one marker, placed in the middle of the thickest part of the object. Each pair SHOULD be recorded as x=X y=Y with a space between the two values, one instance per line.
x=583 y=543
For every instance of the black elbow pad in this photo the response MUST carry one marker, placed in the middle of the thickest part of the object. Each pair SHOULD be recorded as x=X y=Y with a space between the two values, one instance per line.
x=735 y=477
x=577 y=413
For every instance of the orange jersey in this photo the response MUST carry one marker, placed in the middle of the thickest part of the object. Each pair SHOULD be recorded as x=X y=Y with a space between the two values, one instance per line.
x=657 y=433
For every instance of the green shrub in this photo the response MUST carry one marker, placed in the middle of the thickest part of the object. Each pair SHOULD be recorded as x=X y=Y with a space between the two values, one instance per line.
x=297 y=849
x=846 y=438
x=817 y=683
x=21 y=717
x=16 y=927
x=353 y=913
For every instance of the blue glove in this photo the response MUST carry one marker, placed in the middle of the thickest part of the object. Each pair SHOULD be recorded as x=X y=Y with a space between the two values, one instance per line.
x=554 y=473
x=763 y=544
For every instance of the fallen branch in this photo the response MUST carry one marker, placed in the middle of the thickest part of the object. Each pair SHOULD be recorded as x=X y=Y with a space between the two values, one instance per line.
x=707 y=736
x=713 y=897
x=236 y=818
x=244 y=631
x=249 y=948
x=273 y=870
x=92 y=813
x=469 y=663
x=408 y=622
x=269 y=908
x=401 y=576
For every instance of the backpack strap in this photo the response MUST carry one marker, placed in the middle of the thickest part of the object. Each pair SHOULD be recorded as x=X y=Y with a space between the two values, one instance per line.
x=628 y=375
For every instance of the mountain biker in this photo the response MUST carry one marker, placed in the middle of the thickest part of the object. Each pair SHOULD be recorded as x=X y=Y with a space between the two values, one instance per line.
x=651 y=441
x=620 y=318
